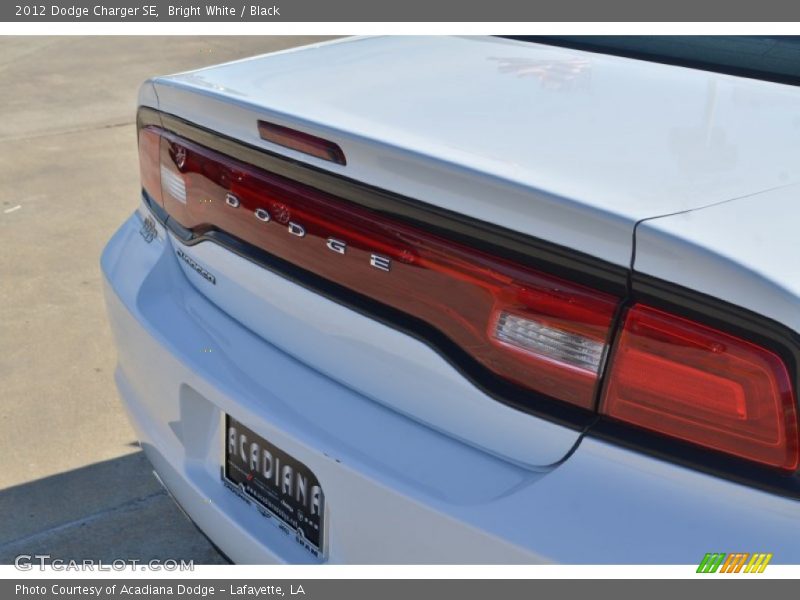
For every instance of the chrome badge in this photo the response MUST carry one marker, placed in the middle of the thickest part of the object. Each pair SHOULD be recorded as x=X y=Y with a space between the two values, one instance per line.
x=194 y=265
x=380 y=262
x=281 y=214
x=337 y=246
x=148 y=230
x=296 y=229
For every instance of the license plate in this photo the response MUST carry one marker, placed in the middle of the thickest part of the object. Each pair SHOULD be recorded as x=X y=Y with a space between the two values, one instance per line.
x=276 y=482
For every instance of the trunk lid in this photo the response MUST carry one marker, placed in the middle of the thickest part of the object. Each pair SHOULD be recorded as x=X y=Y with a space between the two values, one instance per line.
x=568 y=146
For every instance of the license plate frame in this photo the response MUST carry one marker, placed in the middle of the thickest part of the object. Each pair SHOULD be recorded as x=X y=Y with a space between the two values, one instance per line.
x=280 y=486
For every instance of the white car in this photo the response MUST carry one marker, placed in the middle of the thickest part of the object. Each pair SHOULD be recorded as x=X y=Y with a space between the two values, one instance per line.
x=466 y=300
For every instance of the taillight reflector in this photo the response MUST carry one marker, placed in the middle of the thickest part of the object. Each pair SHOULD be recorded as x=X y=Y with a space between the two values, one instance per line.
x=704 y=386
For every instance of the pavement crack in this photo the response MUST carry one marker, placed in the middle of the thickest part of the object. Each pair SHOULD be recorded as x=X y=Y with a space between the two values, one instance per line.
x=120 y=508
x=33 y=136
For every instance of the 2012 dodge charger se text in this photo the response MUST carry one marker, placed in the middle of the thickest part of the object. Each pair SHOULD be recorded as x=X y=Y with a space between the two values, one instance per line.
x=466 y=300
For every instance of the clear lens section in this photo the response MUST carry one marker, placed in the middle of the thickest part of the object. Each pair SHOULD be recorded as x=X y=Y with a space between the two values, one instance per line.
x=173 y=184
x=540 y=340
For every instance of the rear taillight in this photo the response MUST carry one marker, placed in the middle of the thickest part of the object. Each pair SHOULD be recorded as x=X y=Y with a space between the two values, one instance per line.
x=536 y=330
x=692 y=382
x=667 y=374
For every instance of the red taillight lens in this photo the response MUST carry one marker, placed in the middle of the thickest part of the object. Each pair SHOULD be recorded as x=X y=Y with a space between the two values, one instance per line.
x=536 y=330
x=692 y=382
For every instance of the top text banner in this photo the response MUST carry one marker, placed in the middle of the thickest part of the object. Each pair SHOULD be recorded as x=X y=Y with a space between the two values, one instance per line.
x=497 y=11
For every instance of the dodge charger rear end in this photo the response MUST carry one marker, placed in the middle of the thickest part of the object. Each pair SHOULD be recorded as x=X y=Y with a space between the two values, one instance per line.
x=458 y=300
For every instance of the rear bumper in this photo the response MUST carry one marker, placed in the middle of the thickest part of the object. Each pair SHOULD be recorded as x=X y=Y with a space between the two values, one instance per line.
x=396 y=491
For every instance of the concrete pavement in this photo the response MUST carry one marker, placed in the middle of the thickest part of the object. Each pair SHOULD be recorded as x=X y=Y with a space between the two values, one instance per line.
x=73 y=482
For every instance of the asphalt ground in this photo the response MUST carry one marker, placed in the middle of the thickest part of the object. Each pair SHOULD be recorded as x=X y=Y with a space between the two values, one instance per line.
x=73 y=482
